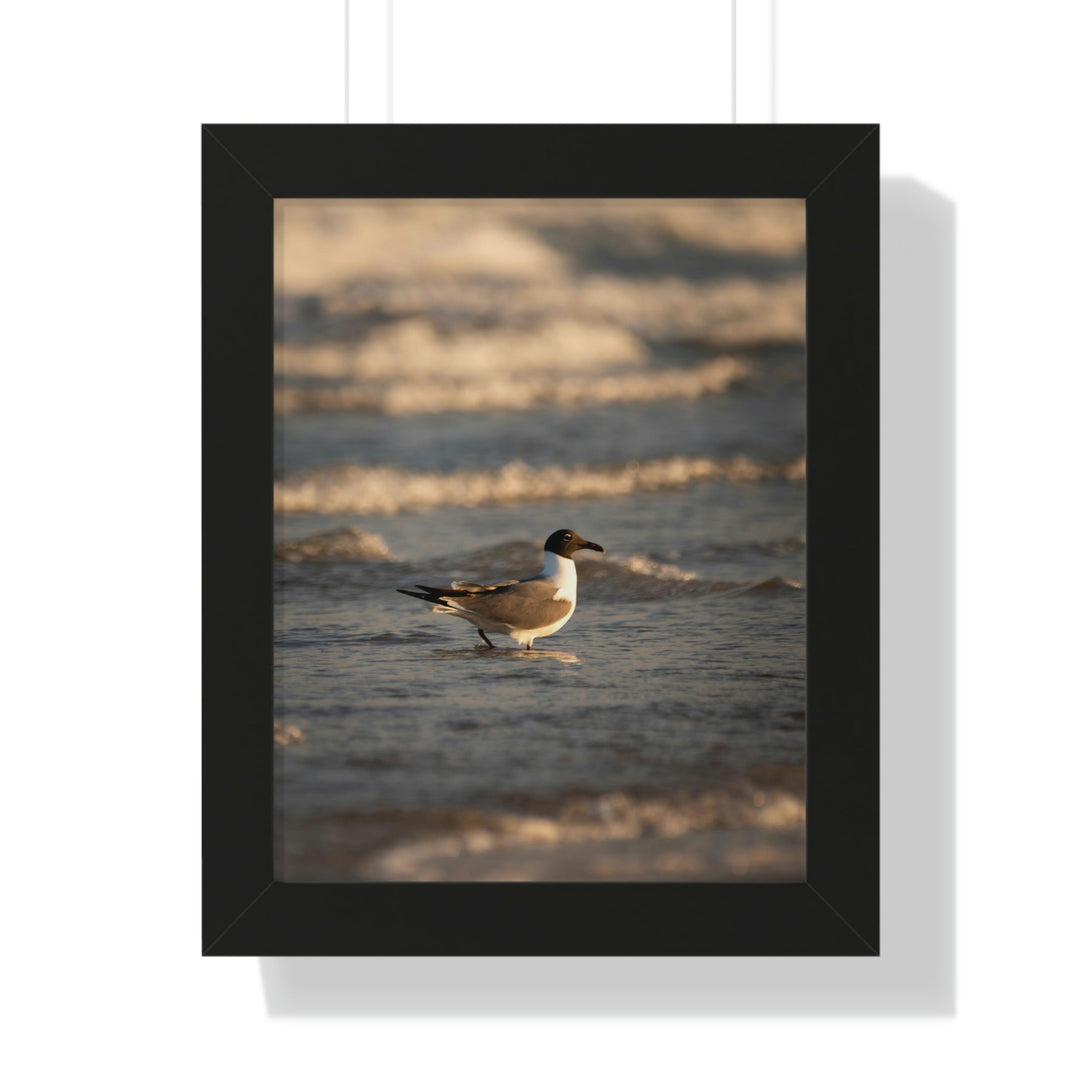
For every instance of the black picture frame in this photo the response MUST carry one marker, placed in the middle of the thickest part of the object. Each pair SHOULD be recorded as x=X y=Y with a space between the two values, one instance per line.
x=835 y=169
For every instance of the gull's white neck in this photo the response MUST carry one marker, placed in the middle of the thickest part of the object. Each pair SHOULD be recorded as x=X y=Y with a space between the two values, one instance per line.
x=562 y=573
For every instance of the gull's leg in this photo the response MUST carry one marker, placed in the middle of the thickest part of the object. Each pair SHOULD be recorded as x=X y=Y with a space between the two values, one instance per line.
x=485 y=637
x=528 y=645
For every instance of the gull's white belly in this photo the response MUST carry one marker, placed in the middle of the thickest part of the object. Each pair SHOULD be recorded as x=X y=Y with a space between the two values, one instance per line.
x=526 y=637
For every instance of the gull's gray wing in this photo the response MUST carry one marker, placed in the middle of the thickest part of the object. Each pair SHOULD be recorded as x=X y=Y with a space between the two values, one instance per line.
x=472 y=587
x=525 y=605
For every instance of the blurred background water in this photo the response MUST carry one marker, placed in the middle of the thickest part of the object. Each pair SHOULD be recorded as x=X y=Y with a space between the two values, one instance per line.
x=457 y=380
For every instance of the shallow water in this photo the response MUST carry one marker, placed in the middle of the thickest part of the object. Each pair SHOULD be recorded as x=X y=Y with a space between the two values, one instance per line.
x=660 y=734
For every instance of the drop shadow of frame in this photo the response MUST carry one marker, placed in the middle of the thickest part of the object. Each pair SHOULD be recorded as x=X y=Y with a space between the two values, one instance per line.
x=915 y=973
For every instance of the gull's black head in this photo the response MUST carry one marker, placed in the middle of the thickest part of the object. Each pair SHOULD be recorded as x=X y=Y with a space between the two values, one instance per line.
x=565 y=542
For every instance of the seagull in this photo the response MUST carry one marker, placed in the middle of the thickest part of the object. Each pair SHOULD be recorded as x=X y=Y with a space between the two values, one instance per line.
x=523 y=610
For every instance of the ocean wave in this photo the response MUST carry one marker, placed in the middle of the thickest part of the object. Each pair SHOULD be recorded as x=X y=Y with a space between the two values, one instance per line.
x=323 y=245
x=760 y=227
x=387 y=489
x=346 y=544
x=644 y=566
x=634 y=578
x=609 y=577
x=425 y=840
x=415 y=348
x=629 y=578
x=770 y=585
x=325 y=242
x=737 y=312
x=516 y=391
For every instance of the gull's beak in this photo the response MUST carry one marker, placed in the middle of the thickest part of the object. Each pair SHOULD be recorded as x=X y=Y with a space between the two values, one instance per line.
x=590 y=544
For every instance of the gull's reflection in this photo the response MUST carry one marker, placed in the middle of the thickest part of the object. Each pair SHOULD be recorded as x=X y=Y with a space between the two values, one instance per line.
x=534 y=655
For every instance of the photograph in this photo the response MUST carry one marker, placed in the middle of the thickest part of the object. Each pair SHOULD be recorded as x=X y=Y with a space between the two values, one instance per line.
x=539 y=540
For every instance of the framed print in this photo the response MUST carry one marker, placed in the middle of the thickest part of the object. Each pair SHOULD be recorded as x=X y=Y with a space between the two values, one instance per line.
x=540 y=540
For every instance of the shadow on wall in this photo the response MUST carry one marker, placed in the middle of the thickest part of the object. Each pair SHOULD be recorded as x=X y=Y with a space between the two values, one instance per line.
x=915 y=975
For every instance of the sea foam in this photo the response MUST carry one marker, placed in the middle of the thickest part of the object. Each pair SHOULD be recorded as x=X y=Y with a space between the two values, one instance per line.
x=346 y=544
x=515 y=390
x=387 y=489
x=428 y=843
x=416 y=348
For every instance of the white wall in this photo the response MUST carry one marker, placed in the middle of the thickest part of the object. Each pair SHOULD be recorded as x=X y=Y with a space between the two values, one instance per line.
x=101 y=244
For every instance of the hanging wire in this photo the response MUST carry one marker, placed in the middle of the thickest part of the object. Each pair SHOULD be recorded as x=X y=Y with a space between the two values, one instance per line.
x=772 y=60
x=389 y=61
x=734 y=83
x=734 y=60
